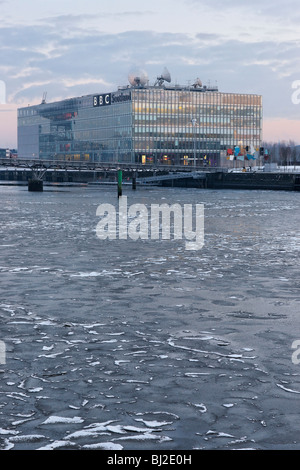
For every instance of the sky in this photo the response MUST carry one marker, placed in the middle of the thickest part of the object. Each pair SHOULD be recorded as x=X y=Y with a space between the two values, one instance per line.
x=68 y=48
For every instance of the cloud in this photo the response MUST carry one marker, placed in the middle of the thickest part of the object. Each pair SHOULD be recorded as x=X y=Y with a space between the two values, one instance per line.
x=100 y=59
x=249 y=21
x=79 y=19
x=268 y=8
x=69 y=55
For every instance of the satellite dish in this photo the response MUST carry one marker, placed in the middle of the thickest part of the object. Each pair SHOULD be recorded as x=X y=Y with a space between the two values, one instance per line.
x=138 y=78
x=164 y=77
x=198 y=83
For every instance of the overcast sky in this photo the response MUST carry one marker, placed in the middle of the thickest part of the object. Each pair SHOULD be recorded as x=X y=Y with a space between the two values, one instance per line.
x=74 y=47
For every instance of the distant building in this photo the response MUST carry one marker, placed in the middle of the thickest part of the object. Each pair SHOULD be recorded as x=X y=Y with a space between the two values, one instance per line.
x=145 y=124
x=8 y=153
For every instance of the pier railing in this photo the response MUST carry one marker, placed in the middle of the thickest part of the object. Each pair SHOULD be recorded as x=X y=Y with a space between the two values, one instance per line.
x=100 y=166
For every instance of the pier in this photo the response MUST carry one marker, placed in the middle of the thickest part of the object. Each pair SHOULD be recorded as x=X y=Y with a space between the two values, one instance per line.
x=35 y=173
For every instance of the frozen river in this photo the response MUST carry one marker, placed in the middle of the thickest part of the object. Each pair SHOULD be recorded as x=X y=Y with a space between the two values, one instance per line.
x=123 y=344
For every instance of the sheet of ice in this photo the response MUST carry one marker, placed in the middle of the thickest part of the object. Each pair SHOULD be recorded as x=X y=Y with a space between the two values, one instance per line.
x=27 y=438
x=103 y=446
x=201 y=407
x=287 y=389
x=56 y=445
x=6 y=432
x=63 y=420
x=145 y=437
x=84 y=433
x=218 y=434
x=154 y=424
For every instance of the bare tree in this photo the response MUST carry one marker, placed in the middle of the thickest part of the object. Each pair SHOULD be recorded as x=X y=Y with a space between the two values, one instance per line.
x=283 y=153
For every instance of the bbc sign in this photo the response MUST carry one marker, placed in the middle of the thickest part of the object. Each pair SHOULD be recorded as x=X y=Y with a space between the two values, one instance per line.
x=102 y=100
x=110 y=98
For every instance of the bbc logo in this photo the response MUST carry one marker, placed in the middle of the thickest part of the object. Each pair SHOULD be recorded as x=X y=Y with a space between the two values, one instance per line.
x=2 y=92
x=102 y=100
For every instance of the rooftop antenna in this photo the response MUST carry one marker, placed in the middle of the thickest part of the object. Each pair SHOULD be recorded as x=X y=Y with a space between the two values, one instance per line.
x=164 y=77
x=44 y=97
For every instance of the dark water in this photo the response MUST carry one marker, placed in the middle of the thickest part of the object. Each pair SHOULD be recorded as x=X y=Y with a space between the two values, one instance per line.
x=142 y=344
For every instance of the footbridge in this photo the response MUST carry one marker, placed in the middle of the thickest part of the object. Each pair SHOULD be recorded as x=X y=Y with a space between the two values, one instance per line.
x=35 y=172
x=81 y=165
x=101 y=172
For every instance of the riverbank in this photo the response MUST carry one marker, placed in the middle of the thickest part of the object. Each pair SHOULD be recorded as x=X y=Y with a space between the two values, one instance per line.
x=209 y=180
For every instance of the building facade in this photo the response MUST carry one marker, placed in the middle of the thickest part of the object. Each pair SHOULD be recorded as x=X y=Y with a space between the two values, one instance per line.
x=145 y=124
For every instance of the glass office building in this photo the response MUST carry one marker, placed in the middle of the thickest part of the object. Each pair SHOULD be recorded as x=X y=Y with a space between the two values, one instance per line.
x=145 y=124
